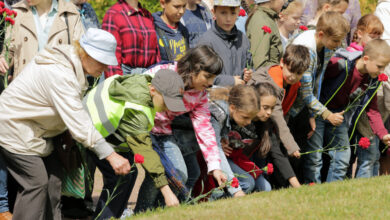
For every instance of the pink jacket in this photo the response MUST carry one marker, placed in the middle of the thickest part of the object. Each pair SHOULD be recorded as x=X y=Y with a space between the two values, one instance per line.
x=196 y=103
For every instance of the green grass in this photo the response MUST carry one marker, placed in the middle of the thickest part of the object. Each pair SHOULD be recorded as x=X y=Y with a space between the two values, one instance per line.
x=352 y=199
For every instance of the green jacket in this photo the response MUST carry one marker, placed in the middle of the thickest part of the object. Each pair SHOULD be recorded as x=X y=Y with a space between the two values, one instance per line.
x=134 y=124
x=266 y=48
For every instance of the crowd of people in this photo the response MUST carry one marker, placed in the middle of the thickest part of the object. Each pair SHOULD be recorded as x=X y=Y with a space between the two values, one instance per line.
x=202 y=94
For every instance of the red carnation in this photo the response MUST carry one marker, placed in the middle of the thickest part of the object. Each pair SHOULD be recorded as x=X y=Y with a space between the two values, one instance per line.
x=383 y=77
x=242 y=13
x=312 y=184
x=14 y=13
x=270 y=168
x=235 y=183
x=138 y=158
x=266 y=29
x=364 y=143
x=1 y=4
x=10 y=20
x=8 y=11
x=303 y=28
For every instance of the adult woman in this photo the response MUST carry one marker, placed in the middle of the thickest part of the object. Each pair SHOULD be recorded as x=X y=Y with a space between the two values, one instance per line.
x=41 y=103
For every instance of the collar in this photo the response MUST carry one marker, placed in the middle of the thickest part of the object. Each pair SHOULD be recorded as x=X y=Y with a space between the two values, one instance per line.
x=53 y=8
x=270 y=12
x=224 y=35
x=130 y=10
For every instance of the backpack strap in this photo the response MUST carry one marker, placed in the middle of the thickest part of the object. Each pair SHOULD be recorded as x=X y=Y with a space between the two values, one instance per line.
x=162 y=36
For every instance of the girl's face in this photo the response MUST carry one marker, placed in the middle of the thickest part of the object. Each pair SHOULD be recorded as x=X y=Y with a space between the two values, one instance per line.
x=174 y=10
x=364 y=37
x=226 y=17
x=202 y=80
x=241 y=117
x=268 y=103
x=277 y=5
x=291 y=22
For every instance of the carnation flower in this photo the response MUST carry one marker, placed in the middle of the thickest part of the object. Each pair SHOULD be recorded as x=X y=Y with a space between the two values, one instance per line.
x=138 y=158
x=235 y=182
x=266 y=29
x=382 y=77
x=312 y=184
x=10 y=20
x=242 y=13
x=270 y=168
x=364 y=143
x=303 y=28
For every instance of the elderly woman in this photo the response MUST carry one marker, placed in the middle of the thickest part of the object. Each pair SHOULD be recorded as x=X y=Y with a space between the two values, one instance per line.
x=42 y=102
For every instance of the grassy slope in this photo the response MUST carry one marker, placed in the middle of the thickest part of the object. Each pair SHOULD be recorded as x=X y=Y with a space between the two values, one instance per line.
x=353 y=199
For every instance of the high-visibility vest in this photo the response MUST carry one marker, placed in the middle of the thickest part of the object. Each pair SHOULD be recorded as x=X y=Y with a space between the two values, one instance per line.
x=106 y=112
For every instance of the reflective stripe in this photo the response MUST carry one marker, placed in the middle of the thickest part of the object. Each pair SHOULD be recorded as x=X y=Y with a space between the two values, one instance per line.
x=106 y=123
x=149 y=112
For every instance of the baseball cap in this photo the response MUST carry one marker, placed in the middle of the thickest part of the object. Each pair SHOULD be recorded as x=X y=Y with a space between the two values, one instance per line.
x=100 y=45
x=171 y=86
x=230 y=3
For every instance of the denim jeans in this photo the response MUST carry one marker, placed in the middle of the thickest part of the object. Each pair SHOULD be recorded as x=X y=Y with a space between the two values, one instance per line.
x=247 y=182
x=3 y=186
x=368 y=159
x=185 y=166
x=329 y=136
x=118 y=204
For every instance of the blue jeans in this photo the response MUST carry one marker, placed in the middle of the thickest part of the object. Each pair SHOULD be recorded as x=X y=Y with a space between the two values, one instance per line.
x=247 y=182
x=3 y=186
x=185 y=166
x=329 y=136
x=368 y=159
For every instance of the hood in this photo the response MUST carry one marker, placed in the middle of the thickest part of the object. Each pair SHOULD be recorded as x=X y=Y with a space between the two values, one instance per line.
x=381 y=1
x=161 y=24
x=349 y=55
x=56 y=56
x=139 y=92
x=307 y=39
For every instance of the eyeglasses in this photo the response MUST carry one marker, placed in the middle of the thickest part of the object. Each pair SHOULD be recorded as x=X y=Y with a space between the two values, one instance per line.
x=286 y=4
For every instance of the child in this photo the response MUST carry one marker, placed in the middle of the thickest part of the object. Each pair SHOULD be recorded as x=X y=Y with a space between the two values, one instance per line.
x=289 y=20
x=237 y=106
x=331 y=29
x=285 y=78
x=246 y=139
x=198 y=68
x=369 y=27
x=348 y=75
x=263 y=33
x=339 y=6
x=197 y=19
x=230 y=44
x=172 y=35
x=128 y=118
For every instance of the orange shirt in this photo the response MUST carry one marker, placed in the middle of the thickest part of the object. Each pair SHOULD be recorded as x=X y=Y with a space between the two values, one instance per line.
x=276 y=73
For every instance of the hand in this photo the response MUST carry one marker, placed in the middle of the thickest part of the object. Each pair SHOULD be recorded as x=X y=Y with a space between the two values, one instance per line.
x=119 y=164
x=3 y=65
x=312 y=122
x=386 y=139
x=247 y=75
x=238 y=80
x=296 y=154
x=219 y=176
x=336 y=118
x=225 y=147
x=169 y=197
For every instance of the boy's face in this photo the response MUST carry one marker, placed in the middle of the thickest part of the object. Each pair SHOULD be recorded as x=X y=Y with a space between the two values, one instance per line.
x=226 y=17
x=174 y=10
x=289 y=77
x=376 y=66
x=330 y=42
x=158 y=100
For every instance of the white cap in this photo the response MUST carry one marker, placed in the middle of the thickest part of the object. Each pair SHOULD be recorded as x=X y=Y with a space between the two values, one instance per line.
x=261 y=1
x=230 y=3
x=100 y=45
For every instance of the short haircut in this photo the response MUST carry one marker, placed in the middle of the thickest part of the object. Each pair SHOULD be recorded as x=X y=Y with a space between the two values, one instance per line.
x=321 y=3
x=377 y=48
x=333 y=24
x=371 y=24
x=297 y=58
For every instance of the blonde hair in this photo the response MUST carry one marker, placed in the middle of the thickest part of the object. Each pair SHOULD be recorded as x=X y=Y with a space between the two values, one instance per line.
x=321 y=3
x=79 y=50
x=377 y=48
x=291 y=8
x=333 y=24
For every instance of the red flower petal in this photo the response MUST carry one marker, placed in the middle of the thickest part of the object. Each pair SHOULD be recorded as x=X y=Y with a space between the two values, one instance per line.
x=266 y=29
x=138 y=158
x=235 y=183
x=383 y=77
x=303 y=28
x=242 y=13
x=364 y=143
x=270 y=168
x=312 y=184
x=1 y=4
